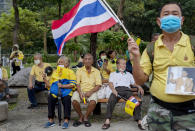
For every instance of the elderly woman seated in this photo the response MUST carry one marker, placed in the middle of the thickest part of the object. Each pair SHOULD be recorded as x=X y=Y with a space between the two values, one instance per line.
x=64 y=79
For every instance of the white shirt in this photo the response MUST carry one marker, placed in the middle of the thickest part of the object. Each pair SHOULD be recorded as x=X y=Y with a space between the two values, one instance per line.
x=119 y=79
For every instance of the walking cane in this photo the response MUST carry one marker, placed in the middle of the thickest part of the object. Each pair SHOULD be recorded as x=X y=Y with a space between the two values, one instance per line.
x=122 y=97
x=59 y=104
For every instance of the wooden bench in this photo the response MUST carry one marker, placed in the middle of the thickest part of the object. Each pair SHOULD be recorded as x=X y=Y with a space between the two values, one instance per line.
x=120 y=101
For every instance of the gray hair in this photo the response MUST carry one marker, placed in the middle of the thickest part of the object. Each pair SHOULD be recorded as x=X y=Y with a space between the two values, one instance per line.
x=65 y=59
x=119 y=59
x=38 y=54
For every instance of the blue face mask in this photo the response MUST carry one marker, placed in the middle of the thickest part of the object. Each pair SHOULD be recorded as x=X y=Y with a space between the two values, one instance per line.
x=170 y=23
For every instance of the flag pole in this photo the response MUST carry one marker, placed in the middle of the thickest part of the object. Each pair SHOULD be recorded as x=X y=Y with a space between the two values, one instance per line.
x=113 y=13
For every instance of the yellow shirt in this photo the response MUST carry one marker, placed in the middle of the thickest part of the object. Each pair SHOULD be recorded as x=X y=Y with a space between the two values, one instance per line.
x=19 y=57
x=4 y=73
x=38 y=72
x=182 y=55
x=113 y=63
x=88 y=81
x=104 y=74
x=66 y=74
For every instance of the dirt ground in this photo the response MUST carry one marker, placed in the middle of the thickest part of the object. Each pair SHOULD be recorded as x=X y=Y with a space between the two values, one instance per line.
x=22 y=119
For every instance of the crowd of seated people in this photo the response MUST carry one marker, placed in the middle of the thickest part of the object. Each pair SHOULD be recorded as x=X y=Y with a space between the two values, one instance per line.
x=88 y=84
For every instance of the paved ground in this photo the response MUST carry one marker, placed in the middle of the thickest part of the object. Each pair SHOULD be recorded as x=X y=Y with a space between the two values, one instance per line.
x=22 y=119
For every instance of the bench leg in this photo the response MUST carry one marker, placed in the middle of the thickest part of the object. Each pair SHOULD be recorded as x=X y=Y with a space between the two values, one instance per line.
x=97 y=110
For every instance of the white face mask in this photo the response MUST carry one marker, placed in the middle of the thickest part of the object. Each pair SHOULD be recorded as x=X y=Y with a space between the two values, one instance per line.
x=61 y=66
x=37 y=62
x=121 y=70
x=103 y=57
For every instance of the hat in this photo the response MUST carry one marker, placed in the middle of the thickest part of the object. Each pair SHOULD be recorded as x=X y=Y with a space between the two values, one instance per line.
x=49 y=70
x=16 y=45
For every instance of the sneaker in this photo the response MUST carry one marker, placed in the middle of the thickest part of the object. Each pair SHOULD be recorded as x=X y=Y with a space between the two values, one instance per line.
x=49 y=124
x=65 y=125
x=32 y=106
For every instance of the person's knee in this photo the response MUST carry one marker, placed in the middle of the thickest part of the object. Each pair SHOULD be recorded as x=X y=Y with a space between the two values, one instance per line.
x=74 y=102
x=93 y=102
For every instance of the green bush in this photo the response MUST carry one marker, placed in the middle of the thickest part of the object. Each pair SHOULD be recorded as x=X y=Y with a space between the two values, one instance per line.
x=50 y=58
x=142 y=46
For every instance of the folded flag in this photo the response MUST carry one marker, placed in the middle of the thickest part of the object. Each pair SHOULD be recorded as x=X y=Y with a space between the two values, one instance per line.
x=134 y=100
x=130 y=105
x=88 y=16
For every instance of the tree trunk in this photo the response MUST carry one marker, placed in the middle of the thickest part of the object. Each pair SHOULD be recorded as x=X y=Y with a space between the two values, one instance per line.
x=120 y=14
x=93 y=47
x=45 y=41
x=17 y=22
x=59 y=8
x=75 y=51
x=75 y=55
x=45 y=36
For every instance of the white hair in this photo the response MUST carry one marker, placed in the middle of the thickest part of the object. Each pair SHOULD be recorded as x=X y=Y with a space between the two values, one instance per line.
x=65 y=59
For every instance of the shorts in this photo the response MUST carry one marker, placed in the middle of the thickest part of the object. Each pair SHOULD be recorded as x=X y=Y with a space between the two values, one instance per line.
x=76 y=97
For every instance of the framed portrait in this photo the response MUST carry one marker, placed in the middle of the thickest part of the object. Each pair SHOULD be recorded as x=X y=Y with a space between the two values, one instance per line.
x=180 y=81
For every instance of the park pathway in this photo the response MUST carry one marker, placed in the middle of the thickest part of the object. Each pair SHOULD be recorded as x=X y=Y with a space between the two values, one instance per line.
x=23 y=119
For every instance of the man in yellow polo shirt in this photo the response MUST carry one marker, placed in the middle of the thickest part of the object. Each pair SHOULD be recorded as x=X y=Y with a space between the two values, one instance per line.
x=173 y=48
x=37 y=72
x=88 y=83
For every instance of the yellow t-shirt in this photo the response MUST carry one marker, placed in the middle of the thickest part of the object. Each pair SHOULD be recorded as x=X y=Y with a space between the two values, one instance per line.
x=182 y=55
x=113 y=63
x=4 y=73
x=104 y=74
x=38 y=72
x=20 y=57
x=88 y=81
x=65 y=74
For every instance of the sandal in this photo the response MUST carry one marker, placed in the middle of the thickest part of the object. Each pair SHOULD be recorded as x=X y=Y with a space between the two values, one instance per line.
x=77 y=123
x=87 y=123
x=105 y=126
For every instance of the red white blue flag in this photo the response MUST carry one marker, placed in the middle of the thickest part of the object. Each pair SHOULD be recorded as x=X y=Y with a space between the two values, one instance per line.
x=88 y=16
x=134 y=100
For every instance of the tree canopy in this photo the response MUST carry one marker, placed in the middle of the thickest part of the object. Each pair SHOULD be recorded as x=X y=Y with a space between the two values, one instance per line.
x=139 y=17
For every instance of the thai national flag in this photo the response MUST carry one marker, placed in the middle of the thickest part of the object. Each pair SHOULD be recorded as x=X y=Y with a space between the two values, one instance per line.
x=134 y=100
x=88 y=16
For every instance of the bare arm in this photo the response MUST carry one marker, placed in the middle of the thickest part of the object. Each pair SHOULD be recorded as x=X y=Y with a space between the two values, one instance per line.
x=95 y=89
x=139 y=75
x=113 y=89
x=47 y=84
x=67 y=86
x=79 y=91
x=140 y=89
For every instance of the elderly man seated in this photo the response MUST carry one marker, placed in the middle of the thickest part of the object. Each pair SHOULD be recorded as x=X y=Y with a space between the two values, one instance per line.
x=37 y=71
x=88 y=83
x=120 y=83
